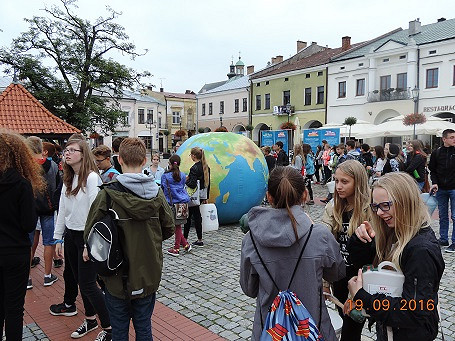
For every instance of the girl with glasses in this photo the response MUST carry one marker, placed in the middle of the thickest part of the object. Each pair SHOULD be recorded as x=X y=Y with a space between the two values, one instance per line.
x=343 y=214
x=400 y=232
x=80 y=188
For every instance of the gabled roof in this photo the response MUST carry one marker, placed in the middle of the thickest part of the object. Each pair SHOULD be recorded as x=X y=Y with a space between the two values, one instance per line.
x=210 y=86
x=139 y=97
x=179 y=95
x=430 y=33
x=24 y=114
x=237 y=82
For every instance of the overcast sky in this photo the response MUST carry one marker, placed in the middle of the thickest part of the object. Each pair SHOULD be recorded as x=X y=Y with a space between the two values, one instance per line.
x=191 y=43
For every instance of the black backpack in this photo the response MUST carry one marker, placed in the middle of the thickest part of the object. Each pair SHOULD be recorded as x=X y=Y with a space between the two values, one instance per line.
x=103 y=245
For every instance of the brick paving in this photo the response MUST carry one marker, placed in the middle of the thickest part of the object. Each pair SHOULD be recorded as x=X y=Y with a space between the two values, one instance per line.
x=199 y=297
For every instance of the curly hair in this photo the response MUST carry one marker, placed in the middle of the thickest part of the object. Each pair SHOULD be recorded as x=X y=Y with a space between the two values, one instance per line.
x=15 y=153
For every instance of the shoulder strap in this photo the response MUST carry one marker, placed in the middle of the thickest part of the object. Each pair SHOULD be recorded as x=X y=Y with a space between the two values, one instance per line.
x=169 y=190
x=298 y=261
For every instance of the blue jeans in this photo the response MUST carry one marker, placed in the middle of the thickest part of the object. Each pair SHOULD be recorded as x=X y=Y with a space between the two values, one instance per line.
x=443 y=196
x=120 y=312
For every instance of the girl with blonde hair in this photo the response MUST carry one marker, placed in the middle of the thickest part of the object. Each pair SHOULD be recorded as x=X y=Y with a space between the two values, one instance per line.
x=347 y=210
x=20 y=181
x=298 y=159
x=403 y=236
x=80 y=188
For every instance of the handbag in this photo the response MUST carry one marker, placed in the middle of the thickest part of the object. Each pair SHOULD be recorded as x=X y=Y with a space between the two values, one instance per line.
x=194 y=194
x=179 y=210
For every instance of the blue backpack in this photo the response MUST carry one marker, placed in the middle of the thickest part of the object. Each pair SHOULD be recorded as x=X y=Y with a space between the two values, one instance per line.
x=288 y=319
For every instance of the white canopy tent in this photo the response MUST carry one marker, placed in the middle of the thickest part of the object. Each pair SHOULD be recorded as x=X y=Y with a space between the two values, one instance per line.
x=395 y=127
x=357 y=130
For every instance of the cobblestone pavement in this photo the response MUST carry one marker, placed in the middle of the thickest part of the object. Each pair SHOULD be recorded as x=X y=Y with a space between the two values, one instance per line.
x=204 y=284
x=32 y=333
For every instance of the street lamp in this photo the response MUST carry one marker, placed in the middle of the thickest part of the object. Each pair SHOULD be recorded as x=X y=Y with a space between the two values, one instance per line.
x=288 y=110
x=221 y=119
x=150 y=124
x=415 y=98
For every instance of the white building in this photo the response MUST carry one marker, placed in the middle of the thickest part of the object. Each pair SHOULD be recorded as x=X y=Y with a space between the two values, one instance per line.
x=375 y=81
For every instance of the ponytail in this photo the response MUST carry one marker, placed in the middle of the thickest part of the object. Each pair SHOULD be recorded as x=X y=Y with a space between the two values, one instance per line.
x=205 y=168
x=174 y=163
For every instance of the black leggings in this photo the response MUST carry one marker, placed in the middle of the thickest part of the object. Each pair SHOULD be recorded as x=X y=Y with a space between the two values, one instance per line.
x=85 y=272
x=318 y=177
x=308 y=179
x=196 y=213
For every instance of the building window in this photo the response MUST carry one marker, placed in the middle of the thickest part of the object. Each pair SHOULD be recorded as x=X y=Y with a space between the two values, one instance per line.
x=342 y=89
x=266 y=82
x=307 y=96
x=402 y=81
x=149 y=115
x=320 y=99
x=140 y=116
x=385 y=60
x=432 y=78
x=221 y=107
x=125 y=118
x=159 y=122
x=203 y=109
x=175 y=117
x=403 y=56
x=360 y=64
x=258 y=84
x=267 y=101
x=286 y=79
x=432 y=52
x=258 y=102
x=244 y=105
x=453 y=75
x=342 y=68
x=307 y=75
x=360 y=88
x=210 y=108
x=385 y=82
x=286 y=97
x=236 y=105
x=320 y=73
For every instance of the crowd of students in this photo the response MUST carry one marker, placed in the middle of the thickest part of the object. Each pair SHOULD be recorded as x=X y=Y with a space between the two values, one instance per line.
x=69 y=195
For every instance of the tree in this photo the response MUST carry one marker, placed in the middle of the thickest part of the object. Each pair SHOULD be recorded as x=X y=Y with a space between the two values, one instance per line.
x=82 y=83
x=350 y=121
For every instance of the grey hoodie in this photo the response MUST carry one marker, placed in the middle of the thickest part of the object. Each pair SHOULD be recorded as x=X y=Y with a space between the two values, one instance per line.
x=140 y=184
x=275 y=239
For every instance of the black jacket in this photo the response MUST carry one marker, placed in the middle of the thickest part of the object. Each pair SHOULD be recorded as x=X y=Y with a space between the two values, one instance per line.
x=271 y=162
x=197 y=173
x=368 y=159
x=282 y=158
x=442 y=167
x=422 y=266
x=416 y=162
x=17 y=213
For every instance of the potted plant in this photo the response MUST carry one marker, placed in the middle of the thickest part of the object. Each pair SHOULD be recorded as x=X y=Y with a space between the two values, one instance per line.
x=288 y=125
x=350 y=121
x=200 y=130
x=413 y=119
x=221 y=129
x=249 y=127
x=180 y=133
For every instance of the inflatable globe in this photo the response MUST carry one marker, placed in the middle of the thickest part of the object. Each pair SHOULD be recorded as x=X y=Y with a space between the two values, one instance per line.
x=238 y=172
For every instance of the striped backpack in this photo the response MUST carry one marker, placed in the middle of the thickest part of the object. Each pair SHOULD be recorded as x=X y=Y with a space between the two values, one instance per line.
x=288 y=319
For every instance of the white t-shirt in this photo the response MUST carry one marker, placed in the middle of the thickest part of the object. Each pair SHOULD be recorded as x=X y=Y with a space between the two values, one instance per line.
x=73 y=210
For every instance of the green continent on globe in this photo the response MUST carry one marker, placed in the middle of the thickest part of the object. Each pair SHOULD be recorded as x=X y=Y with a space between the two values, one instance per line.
x=238 y=172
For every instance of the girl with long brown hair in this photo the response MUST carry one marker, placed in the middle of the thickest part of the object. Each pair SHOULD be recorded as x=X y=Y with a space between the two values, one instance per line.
x=416 y=162
x=199 y=171
x=399 y=231
x=343 y=215
x=20 y=181
x=80 y=188
x=279 y=232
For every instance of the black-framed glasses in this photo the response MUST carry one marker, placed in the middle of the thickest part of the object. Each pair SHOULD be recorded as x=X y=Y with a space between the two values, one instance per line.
x=71 y=151
x=99 y=161
x=384 y=206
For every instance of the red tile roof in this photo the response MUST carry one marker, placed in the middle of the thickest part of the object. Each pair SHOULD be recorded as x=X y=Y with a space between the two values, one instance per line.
x=23 y=113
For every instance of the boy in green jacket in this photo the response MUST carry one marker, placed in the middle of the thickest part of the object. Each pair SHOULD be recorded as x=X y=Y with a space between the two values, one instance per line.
x=146 y=220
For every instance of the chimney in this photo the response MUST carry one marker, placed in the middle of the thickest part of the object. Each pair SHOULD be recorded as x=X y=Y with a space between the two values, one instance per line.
x=414 y=27
x=161 y=89
x=249 y=69
x=314 y=43
x=279 y=59
x=273 y=60
x=345 y=43
x=441 y=19
x=300 y=45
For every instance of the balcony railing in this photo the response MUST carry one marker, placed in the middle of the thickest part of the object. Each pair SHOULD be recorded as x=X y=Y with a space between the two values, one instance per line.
x=389 y=95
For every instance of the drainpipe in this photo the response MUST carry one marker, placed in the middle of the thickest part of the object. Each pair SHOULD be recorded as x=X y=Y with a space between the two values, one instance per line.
x=326 y=92
x=250 y=110
x=418 y=77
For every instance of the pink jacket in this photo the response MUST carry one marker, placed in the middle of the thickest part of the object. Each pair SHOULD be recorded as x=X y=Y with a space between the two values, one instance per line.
x=326 y=157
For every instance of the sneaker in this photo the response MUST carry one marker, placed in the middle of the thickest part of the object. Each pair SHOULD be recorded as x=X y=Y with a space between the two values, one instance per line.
x=104 y=336
x=198 y=243
x=173 y=252
x=35 y=262
x=29 y=284
x=188 y=248
x=443 y=242
x=62 y=310
x=86 y=327
x=451 y=248
x=50 y=280
x=311 y=202
x=325 y=201
x=58 y=263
